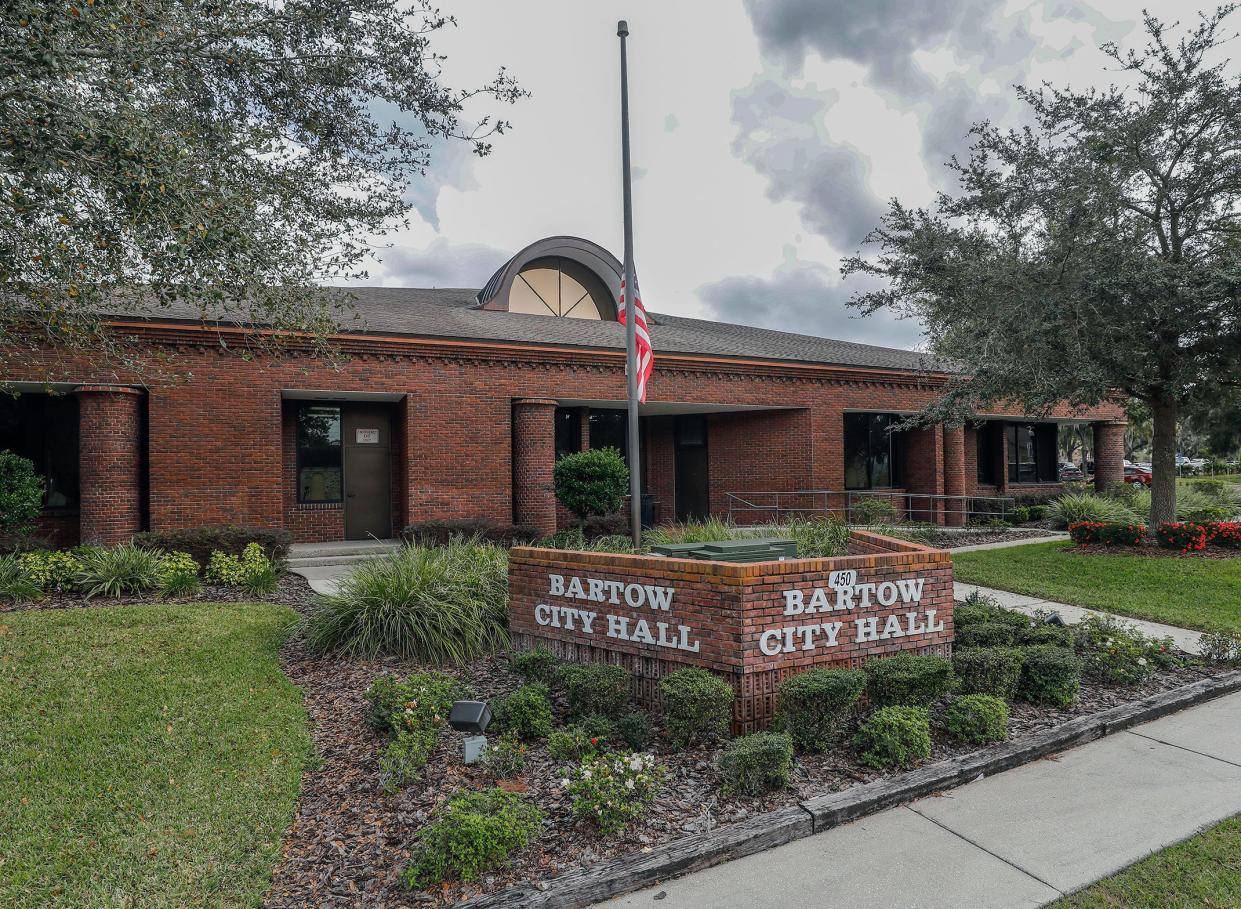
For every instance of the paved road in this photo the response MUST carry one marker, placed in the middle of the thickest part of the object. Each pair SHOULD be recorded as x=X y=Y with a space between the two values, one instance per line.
x=1021 y=839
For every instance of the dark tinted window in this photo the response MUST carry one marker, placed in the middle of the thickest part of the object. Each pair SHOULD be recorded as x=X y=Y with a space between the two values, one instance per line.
x=872 y=452
x=985 y=452
x=44 y=428
x=318 y=453
x=1031 y=452
x=609 y=429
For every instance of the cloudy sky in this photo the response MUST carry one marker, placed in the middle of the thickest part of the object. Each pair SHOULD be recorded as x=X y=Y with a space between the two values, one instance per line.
x=767 y=135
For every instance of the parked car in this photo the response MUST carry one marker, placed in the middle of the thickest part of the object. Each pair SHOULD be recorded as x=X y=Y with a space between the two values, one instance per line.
x=1136 y=476
x=1071 y=473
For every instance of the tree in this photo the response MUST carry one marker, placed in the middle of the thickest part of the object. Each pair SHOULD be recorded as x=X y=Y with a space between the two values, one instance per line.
x=592 y=482
x=229 y=153
x=1092 y=255
x=21 y=495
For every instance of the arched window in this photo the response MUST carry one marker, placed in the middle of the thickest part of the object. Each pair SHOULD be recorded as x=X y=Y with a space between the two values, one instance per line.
x=556 y=287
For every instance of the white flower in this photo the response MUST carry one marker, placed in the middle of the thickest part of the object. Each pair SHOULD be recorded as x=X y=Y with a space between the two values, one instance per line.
x=1141 y=661
x=564 y=783
x=628 y=784
x=636 y=764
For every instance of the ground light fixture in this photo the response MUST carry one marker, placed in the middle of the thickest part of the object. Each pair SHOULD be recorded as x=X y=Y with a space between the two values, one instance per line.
x=472 y=718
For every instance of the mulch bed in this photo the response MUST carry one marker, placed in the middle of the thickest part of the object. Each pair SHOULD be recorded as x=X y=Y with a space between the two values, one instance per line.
x=1154 y=549
x=349 y=840
x=953 y=539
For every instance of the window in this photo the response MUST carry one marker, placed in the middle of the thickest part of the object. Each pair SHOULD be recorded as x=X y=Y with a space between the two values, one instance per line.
x=554 y=287
x=1031 y=452
x=44 y=429
x=984 y=437
x=568 y=431
x=610 y=429
x=318 y=453
x=872 y=451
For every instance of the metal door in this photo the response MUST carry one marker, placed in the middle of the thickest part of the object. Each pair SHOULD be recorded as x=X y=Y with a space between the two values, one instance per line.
x=366 y=434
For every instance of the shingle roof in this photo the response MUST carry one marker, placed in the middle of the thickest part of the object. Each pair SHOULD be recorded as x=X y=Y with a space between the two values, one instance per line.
x=453 y=313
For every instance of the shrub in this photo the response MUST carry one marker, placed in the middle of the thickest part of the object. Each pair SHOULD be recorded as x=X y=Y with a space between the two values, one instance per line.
x=634 y=730
x=1117 y=653
x=993 y=671
x=1185 y=537
x=908 y=680
x=442 y=605
x=606 y=525
x=814 y=706
x=118 y=571
x=441 y=533
x=872 y=510
x=1049 y=675
x=526 y=713
x=697 y=706
x=592 y=482
x=977 y=718
x=229 y=539
x=179 y=584
x=1037 y=512
x=986 y=634
x=21 y=495
x=1221 y=647
x=897 y=736
x=979 y=608
x=51 y=570
x=596 y=688
x=1195 y=505
x=401 y=761
x=1019 y=515
x=614 y=789
x=756 y=763
x=1225 y=534
x=589 y=737
x=818 y=539
x=1108 y=534
x=504 y=758
x=421 y=701
x=536 y=665
x=15 y=584
x=1073 y=508
x=251 y=570
x=1045 y=633
x=473 y=833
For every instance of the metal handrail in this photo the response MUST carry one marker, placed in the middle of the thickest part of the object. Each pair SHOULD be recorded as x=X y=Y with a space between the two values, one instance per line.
x=853 y=505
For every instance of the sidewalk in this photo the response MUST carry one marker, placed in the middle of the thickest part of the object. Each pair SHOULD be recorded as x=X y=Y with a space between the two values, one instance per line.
x=1023 y=838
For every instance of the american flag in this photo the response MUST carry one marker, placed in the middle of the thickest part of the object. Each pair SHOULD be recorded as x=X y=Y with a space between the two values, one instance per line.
x=646 y=356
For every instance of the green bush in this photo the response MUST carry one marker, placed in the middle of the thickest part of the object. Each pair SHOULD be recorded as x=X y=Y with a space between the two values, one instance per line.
x=1037 y=512
x=590 y=736
x=814 y=706
x=116 y=572
x=756 y=763
x=1049 y=675
x=51 y=569
x=817 y=539
x=251 y=570
x=986 y=634
x=423 y=700
x=977 y=718
x=473 y=833
x=697 y=706
x=978 y=609
x=634 y=730
x=988 y=670
x=441 y=605
x=593 y=482
x=526 y=713
x=908 y=680
x=1044 y=633
x=1222 y=647
x=872 y=510
x=536 y=665
x=613 y=790
x=895 y=737
x=179 y=584
x=15 y=584
x=1020 y=515
x=1087 y=506
x=596 y=688
x=21 y=495
x=1116 y=653
x=229 y=539
x=504 y=757
x=401 y=761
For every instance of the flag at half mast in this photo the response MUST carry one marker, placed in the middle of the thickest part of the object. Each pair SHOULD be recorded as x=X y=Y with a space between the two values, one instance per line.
x=645 y=354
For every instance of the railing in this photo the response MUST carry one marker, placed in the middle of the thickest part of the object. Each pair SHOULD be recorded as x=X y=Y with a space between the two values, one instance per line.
x=864 y=506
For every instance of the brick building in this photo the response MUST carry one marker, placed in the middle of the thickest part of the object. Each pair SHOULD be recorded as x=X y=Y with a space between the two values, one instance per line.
x=456 y=403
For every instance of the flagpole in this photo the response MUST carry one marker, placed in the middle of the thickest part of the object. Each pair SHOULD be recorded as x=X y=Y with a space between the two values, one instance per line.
x=631 y=322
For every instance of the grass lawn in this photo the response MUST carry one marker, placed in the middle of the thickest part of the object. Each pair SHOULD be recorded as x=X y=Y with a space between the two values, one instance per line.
x=1193 y=593
x=1204 y=872
x=149 y=755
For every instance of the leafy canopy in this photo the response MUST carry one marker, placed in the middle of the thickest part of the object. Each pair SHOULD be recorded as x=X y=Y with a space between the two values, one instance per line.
x=229 y=153
x=592 y=482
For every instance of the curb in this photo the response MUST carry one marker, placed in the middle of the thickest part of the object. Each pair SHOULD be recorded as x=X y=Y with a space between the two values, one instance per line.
x=578 y=889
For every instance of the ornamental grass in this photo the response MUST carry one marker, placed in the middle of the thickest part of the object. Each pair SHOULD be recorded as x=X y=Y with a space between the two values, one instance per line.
x=437 y=605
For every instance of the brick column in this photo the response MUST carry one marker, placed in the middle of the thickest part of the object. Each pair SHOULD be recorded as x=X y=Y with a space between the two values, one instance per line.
x=1109 y=454
x=109 y=462
x=534 y=456
x=954 y=474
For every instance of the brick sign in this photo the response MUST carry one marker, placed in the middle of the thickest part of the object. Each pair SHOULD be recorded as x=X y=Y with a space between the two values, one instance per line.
x=755 y=624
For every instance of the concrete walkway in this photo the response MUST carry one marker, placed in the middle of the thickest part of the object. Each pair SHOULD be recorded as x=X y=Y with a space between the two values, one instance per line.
x=1186 y=640
x=1023 y=838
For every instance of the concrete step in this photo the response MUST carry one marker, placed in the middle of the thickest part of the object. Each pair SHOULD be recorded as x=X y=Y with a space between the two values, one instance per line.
x=329 y=560
x=342 y=548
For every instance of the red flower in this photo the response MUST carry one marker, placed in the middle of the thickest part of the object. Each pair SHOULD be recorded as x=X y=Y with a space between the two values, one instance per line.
x=594 y=741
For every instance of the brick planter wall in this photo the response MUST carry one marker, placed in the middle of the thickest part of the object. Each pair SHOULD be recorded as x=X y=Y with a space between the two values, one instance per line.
x=734 y=619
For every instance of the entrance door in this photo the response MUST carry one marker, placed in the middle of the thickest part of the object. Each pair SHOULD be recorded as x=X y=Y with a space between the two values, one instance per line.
x=693 y=486
x=366 y=434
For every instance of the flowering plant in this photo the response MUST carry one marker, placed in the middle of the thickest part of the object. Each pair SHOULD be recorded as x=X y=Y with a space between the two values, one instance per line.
x=614 y=789
x=1226 y=534
x=1117 y=653
x=1185 y=536
x=50 y=570
x=1109 y=533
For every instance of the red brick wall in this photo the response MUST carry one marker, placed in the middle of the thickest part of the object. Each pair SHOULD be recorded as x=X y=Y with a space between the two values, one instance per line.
x=534 y=433
x=109 y=463
x=217 y=452
x=732 y=617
